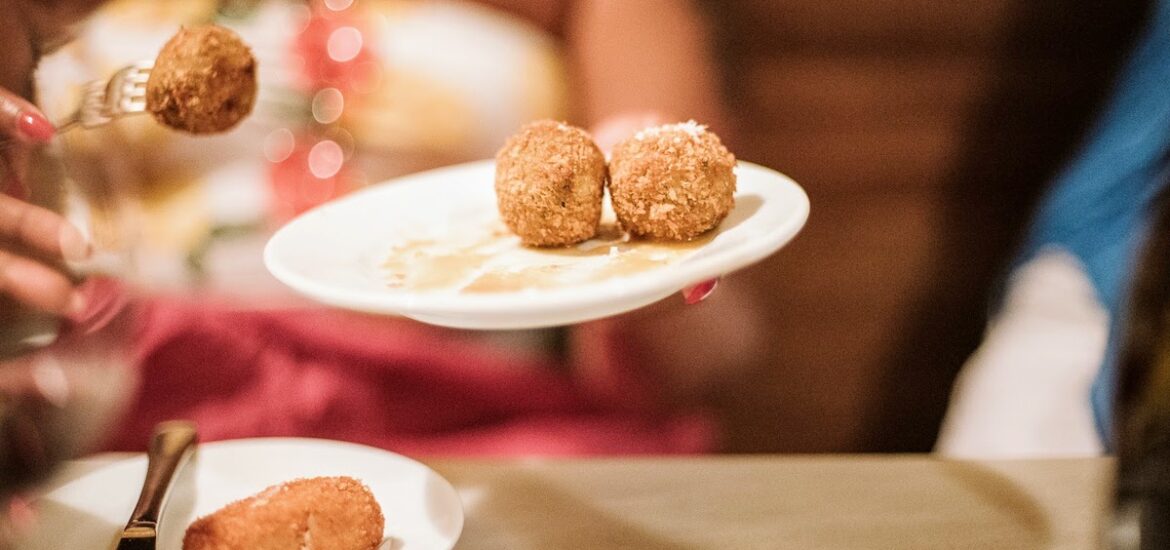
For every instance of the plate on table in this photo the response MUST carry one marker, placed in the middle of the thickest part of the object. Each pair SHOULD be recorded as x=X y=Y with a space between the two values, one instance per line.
x=431 y=246
x=87 y=512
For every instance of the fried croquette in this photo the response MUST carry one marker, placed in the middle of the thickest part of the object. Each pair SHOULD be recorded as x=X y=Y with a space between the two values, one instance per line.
x=203 y=81
x=550 y=178
x=672 y=182
x=322 y=513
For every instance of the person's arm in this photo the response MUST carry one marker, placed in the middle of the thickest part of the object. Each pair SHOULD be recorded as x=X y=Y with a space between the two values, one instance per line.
x=633 y=64
x=629 y=59
x=34 y=244
x=34 y=241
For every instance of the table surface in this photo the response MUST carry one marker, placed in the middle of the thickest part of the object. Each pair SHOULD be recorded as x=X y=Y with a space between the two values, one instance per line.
x=807 y=502
x=812 y=502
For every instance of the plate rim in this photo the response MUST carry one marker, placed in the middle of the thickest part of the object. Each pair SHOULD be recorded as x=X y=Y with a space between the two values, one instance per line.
x=138 y=459
x=638 y=286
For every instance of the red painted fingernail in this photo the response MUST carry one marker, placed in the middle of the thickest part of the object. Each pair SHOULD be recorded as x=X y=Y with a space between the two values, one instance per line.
x=700 y=292
x=35 y=127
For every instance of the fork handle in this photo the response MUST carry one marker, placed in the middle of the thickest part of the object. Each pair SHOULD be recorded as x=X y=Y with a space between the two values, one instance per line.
x=68 y=123
x=170 y=447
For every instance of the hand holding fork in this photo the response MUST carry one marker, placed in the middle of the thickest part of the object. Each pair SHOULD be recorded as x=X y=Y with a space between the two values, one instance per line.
x=41 y=240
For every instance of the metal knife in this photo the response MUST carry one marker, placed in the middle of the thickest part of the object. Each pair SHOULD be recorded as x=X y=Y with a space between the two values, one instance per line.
x=170 y=447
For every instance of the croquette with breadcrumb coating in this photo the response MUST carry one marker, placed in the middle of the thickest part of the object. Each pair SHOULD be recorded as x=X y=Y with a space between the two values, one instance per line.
x=322 y=513
x=550 y=178
x=672 y=182
x=203 y=81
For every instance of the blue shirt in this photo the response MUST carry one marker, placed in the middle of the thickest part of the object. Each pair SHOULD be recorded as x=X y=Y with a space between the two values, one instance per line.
x=1098 y=206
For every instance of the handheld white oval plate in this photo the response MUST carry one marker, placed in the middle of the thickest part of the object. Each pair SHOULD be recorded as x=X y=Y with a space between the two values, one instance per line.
x=431 y=246
x=423 y=511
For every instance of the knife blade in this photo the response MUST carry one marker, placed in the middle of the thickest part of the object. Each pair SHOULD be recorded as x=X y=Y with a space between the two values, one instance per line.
x=170 y=447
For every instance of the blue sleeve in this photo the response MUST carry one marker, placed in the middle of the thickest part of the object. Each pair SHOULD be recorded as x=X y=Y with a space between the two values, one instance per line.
x=1097 y=207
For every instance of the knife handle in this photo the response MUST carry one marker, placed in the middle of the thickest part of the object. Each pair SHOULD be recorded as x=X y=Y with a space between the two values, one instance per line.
x=170 y=446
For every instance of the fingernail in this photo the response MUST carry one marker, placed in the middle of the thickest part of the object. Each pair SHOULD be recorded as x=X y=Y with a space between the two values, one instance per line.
x=76 y=309
x=700 y=292
x=35 y=127
x=74 y=246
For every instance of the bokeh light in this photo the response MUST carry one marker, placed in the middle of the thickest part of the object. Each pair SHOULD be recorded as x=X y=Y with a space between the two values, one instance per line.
x=325 y=159
x=301 y=15
x=279 y=144
x=338 y=5
x=328 y=104
x=345 y=43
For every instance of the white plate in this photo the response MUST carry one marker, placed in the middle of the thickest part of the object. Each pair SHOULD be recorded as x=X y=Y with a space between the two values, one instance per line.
x=423 y=511
x=430 y=246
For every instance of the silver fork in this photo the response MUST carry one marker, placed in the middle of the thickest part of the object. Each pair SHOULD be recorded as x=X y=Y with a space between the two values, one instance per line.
x=101 y=102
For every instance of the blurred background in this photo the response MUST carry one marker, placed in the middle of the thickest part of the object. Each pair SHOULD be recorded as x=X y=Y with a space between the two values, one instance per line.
x=351 y=93
x=922 y=131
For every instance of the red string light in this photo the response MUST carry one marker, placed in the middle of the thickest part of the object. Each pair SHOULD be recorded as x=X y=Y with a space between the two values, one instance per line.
x=338 y=64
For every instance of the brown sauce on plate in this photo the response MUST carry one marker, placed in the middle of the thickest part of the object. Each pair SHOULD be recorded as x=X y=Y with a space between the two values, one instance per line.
x=427 y=265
